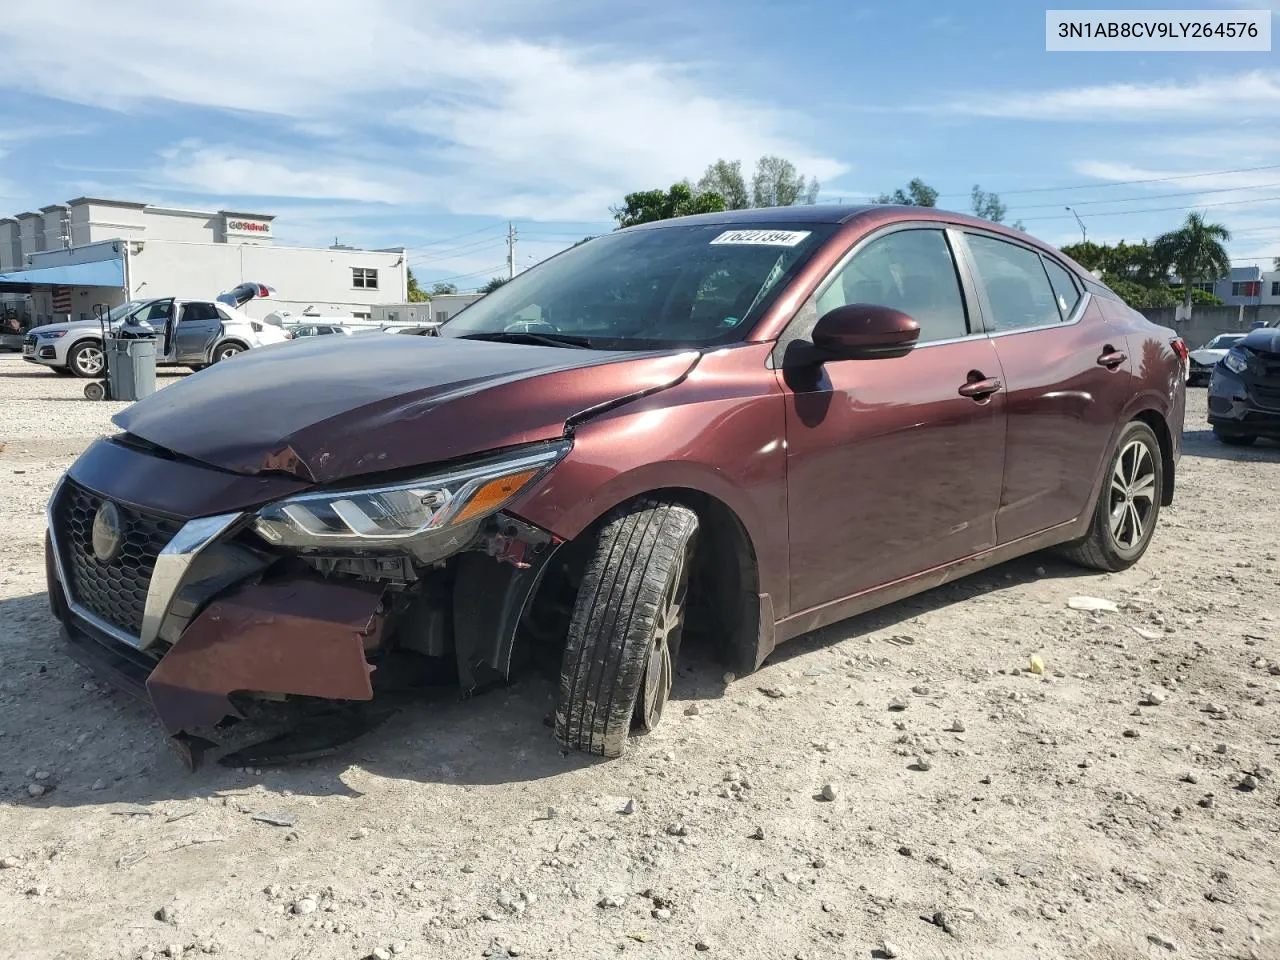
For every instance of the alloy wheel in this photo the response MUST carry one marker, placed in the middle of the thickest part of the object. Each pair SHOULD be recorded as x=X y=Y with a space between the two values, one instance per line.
x=1133 y=495
x=89 y=361
x=227 y=352
x=660 y=672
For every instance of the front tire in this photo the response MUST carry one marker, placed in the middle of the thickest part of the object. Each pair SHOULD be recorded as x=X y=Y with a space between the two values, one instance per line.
x=628 y=619
x=87 y=359
x=1128 y=507
x=1235 y=439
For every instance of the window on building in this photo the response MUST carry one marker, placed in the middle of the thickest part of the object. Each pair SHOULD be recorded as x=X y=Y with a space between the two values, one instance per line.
x=364 y=278
x=442 y=316
x=1275 y=288
x=357 y=315
x=1247 y=288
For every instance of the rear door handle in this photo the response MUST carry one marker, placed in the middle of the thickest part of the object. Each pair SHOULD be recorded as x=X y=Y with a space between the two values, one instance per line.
x=1111 y=358
x=980 y=389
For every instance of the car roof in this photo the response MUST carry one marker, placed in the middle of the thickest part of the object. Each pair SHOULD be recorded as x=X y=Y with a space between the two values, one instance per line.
x=874 y=214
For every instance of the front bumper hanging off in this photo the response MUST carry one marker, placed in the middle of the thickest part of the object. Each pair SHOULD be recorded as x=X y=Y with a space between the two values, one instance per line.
x=220 y=622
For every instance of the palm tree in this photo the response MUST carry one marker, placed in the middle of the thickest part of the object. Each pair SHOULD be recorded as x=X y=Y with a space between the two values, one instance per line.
x=1195 y=251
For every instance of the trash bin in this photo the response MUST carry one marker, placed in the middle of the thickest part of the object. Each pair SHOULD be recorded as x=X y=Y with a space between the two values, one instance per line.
x=131 y=362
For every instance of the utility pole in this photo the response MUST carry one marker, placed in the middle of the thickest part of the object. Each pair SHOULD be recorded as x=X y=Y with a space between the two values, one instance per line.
x=1084 y=234
x=511 y=250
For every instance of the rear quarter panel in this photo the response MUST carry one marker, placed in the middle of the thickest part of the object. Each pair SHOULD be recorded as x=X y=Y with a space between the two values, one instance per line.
x=1157 y=379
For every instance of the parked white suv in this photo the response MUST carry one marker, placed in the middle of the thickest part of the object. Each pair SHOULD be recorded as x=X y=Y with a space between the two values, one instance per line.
x=191 y=333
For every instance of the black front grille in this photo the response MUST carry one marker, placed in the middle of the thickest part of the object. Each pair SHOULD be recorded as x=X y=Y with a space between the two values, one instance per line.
x=115 y=591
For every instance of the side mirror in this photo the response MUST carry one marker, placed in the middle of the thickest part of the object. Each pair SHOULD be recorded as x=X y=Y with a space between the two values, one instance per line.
x=863 y=330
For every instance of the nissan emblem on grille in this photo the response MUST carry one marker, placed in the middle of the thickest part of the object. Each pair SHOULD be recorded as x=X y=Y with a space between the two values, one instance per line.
x=106 y=531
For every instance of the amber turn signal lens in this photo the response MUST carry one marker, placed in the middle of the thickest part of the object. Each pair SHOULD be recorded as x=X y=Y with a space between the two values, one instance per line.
x=493 y=494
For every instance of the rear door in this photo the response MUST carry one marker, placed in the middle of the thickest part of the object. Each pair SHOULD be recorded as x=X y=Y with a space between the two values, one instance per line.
x=198 y=326
x=1067 y=377
x=894 y=464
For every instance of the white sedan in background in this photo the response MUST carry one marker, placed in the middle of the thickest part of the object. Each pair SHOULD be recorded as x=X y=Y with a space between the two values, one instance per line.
x=1202 y=361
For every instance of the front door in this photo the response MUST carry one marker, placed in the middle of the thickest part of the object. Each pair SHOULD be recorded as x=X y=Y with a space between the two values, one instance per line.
x=198 y=326
x=891 y=468
x=1067 y=376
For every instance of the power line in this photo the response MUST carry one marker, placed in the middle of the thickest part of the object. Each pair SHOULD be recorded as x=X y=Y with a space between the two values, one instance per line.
x=1158 y=196
x=460 y=236
x=1124 y=183
x=473 y=247
x=1193 y=206
x=462 y=276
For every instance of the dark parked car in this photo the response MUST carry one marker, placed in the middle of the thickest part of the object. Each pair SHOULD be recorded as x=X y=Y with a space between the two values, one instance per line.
x=1244 y=394
x=737 y=427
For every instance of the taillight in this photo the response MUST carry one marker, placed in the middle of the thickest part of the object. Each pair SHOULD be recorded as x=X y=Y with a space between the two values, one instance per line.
x=1180 y=348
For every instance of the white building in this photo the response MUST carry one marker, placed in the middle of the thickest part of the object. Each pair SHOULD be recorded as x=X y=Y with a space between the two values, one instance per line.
x=61 y=262
x=441 y=307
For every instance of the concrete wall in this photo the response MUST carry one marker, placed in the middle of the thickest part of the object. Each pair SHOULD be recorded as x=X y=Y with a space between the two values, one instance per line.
x=1207 y=322
x=303 y=277
x=181 y=225
x=10 y=246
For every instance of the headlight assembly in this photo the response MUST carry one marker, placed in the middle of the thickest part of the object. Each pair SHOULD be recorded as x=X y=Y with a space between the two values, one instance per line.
x=1235 y=361
x=401 y=514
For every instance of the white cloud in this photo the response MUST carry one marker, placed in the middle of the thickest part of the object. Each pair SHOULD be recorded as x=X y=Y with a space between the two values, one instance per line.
x=220 y=170
x=484 y=124
x=1255 y=94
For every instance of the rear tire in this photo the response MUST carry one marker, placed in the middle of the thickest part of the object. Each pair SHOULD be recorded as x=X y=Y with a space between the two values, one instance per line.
x=1236 y=439
x=226 y=351
x=1128 y=507
x=624 y=636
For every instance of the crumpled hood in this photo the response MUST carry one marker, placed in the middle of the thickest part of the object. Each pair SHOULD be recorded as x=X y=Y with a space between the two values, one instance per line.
x=1207 y=357
x=328 y=408
x=1264 y=339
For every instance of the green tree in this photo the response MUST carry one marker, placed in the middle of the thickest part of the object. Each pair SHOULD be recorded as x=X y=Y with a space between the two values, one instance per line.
x=493 y=284
x=1195 y=251
x=725 y=178
x=987 y=205
x=443 y=289
x=917 y=194
x=416 y=293
x=777 y=183
x=647 y=206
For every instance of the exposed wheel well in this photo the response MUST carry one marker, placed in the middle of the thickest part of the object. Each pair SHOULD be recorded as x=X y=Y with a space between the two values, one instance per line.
x=1155 y=421
x=724 y=586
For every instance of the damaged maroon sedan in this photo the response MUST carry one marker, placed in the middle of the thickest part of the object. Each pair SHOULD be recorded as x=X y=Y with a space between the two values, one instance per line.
x=737 y=427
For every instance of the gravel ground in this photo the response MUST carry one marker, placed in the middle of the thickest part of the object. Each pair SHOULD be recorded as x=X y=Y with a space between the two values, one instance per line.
x=909 y=786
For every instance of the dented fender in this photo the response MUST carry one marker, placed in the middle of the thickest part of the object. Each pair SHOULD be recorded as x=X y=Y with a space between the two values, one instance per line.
x=304 y=637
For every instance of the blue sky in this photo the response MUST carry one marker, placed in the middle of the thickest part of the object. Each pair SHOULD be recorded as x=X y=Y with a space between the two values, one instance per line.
x=430 y=125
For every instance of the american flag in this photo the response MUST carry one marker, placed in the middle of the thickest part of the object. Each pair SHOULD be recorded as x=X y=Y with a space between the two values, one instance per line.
x=61 y=299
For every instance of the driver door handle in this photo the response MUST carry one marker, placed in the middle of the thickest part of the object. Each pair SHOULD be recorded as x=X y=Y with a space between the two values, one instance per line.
x=980 y=389
x=1111 y=358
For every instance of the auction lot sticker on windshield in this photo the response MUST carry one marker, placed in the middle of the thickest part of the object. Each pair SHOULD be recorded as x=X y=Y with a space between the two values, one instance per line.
x=763 y=238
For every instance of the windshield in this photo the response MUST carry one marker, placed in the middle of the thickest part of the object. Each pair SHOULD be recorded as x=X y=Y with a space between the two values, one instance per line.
x=1225 y=340
x=673 y=286
x=126 y=308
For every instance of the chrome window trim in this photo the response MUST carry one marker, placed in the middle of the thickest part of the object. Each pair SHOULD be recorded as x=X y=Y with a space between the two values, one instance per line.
x=1076 y=316
x=171 y=567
